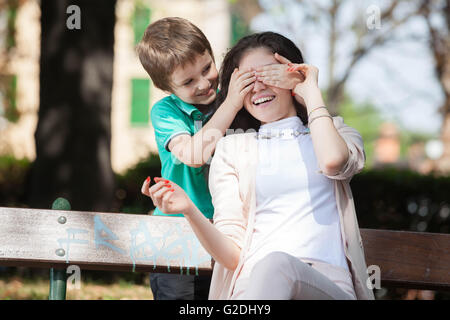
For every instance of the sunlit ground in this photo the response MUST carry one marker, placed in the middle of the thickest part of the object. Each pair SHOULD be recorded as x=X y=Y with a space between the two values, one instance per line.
x=18 y=288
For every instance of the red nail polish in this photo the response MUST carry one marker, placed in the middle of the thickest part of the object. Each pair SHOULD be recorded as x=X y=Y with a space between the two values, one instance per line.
x=172 y=190
x=148 y=179
x=293 y=94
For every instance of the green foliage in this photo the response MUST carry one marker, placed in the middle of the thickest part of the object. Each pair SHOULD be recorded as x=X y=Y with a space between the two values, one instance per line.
x=128 y=193
x=408 y=138
x=386 y=198
x=13 y=178
x=397 y=199
x=367 y=120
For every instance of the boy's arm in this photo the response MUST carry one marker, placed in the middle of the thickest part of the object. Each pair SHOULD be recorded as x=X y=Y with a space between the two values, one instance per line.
x=195 y=150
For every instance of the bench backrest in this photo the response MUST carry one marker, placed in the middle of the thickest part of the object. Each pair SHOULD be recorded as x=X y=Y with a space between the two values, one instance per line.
x=131 y=242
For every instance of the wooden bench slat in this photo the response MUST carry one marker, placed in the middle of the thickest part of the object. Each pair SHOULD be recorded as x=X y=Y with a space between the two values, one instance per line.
x=126 y=242
x=106 y=241
x=409 y=259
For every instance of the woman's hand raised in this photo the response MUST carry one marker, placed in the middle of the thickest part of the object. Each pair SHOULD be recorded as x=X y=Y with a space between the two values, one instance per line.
x=301 y=78
x=167 y=196
x=279 y=74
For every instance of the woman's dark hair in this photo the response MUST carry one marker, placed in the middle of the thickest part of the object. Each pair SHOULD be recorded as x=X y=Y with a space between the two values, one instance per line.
x=274 y=42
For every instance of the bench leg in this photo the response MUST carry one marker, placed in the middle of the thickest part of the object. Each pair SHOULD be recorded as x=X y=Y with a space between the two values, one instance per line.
x=58 y=280
x=58 y=277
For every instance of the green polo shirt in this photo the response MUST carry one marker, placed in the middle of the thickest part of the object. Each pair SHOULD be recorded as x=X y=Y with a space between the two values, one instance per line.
x=171 y=117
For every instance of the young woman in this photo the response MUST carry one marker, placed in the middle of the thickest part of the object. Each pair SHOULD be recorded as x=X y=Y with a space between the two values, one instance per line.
x=284 y=220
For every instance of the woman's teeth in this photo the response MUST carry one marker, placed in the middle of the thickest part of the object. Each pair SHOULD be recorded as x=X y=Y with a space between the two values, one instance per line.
x=262 y=100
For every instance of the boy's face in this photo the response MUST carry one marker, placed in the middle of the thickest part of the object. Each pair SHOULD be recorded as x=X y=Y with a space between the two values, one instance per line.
x=196 y=83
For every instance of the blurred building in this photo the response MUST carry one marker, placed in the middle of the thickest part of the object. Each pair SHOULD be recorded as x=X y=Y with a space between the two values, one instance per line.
x=442 y=163
x=387 y=146
x=421 y=156
x=22 y=73
x=133 y=93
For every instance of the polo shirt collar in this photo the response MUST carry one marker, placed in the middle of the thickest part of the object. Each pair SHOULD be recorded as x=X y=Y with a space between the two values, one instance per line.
x=188 y=108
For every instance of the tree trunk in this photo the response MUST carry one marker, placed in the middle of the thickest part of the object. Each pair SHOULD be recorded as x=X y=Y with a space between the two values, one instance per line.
x=443 y=163
x=73 y=134
x=334 y=98
x=440 y=47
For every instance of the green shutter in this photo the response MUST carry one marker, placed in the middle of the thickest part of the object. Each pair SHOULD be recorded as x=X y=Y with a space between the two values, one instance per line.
x=141 y=20
x=10 y=91
x=140 y=100
x=140 y=88
x=239 y=28
x=11 y=22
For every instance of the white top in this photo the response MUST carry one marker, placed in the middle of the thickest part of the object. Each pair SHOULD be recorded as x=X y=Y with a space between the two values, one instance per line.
x=296 y=208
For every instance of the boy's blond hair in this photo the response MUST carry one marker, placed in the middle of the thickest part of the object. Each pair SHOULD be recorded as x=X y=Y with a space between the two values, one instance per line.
x=167 y=44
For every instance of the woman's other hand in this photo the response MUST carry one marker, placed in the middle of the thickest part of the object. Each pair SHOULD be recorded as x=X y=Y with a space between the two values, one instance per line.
x=281 y=75
x=167 y=196
x=310 y=87
x=301 y=78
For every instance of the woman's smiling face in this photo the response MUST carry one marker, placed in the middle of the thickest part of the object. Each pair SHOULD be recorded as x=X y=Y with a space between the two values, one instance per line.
x=266 y=103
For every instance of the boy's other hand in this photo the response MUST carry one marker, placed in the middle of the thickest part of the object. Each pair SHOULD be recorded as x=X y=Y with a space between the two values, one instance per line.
x=241 y=82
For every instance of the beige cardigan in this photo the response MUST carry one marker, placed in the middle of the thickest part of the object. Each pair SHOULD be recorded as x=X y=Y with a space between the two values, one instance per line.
x=232 y=186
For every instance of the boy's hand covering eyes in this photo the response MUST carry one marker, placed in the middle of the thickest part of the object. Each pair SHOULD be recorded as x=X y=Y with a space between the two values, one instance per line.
x=241 y=82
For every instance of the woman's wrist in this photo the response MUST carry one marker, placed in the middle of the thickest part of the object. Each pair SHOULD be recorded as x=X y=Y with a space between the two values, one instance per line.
x=313 y=99
x=190 y=211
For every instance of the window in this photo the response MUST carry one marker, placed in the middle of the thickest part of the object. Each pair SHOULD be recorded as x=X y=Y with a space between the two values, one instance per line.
x=140 y=100
x=141 y=20
x=140 y=88
x=239 y=28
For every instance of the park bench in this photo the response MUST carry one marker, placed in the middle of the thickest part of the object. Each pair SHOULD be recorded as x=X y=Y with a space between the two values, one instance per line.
x=58 y=239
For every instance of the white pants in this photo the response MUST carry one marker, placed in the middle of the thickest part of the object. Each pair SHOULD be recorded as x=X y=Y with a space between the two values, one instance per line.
x=280 y=276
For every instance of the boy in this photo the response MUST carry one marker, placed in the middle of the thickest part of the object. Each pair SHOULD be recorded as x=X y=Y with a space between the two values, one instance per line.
x=179 y=60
